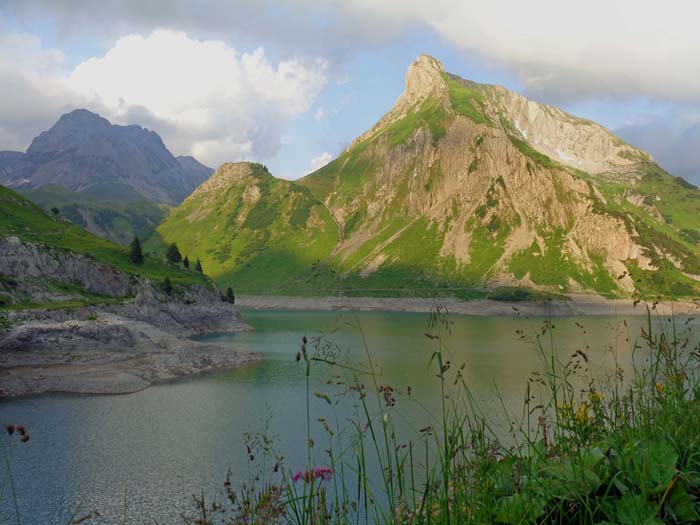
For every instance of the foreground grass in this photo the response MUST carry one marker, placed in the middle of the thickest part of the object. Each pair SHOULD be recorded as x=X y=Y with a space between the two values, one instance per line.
x=624 y=450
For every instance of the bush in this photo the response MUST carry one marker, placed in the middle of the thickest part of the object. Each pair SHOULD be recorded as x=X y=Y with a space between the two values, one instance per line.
x=167 y=286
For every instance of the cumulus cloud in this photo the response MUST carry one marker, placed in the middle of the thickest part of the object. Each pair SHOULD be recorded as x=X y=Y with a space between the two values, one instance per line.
x=320 y=161
x=204 y=97
x=214 y=102
x=559 y=49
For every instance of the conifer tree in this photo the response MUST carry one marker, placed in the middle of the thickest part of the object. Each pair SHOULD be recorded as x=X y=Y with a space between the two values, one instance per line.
x=198 y=266
x=230 y=298
x=186 y=262
x=173 y=255
x=135 y=252
x=167 y=286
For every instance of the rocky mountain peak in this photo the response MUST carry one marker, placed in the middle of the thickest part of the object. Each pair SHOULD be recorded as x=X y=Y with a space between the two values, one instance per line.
x=84 y=151
x=228 y=174
x=423 y=78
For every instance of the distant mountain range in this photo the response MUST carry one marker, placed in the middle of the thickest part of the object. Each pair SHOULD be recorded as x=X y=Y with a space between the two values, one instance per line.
x=459 y=185
x=85 y=153
x=112 y=180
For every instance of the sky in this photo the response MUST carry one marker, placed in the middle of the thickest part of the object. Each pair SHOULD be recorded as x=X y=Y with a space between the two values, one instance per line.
x=291 y=83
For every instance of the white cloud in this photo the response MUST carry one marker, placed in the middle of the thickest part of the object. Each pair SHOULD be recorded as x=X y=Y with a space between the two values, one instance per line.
x=216 y=103
x=319 y=114
x=32 y=91
x=559 y=48
x=204 y=97
x=565 y=49
x=320 y=161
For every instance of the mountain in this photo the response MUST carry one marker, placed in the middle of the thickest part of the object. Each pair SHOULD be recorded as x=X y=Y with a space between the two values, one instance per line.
x=246 y=225
x=84 y=152
x=61 y=263
x=460 y=185
x=115 y=220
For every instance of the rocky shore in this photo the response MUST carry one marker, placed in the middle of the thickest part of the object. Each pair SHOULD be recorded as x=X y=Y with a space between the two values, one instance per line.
x=578 y=304
x=113 y=349
x=140 y=338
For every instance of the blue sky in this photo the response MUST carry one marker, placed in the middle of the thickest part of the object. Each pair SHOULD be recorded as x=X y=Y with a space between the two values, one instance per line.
x=289 y=82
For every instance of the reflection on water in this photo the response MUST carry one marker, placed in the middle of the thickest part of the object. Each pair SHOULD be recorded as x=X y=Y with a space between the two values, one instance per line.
x=159 y=446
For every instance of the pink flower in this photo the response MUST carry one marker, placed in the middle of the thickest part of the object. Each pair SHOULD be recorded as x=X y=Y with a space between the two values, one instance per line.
x=322 y=473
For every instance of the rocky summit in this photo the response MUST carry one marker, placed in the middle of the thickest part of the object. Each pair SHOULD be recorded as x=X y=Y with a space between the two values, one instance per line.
x=85 y=153
x=460 y=185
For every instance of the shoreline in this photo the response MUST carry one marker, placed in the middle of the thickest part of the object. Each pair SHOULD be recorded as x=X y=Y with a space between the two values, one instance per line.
x=578 y=305
x=103 y=350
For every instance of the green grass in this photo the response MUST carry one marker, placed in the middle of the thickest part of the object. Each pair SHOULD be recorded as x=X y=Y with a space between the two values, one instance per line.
x=553 y=269
x=252 y=245
x=21 y=218
x=465 y=100
x=117 y=220
x=429 y=114
x=587 y=450
x=529 y=151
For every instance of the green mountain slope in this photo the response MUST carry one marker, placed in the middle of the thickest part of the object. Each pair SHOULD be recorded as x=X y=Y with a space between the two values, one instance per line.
x=251 y=229
x=23 y=219
x=460 y=185
x=118 y=219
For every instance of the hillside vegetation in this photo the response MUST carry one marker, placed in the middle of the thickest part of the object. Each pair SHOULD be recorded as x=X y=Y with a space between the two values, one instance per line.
x=119 y=218
x=21 y=218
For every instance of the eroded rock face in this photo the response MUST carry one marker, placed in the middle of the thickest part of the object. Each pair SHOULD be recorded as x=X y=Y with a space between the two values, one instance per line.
x=27 y=261
x=495 y=176
x=34 y=267
x=107 y=348
x=569 y=140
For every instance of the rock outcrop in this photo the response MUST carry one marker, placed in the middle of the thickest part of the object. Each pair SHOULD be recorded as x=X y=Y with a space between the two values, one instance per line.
x=134 y=335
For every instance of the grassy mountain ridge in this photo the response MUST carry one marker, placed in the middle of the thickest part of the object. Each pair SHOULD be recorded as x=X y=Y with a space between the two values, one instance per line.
x=21 y=218
x=249 y=227
x=462 y=185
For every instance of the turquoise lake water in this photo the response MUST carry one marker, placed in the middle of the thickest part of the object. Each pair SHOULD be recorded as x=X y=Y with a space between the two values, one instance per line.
x=154 y=449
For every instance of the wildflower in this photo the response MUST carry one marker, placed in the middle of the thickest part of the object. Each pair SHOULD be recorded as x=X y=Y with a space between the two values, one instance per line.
x=10 y=429
x=22 y=431
x=596 y=397
x=322 y=473
x=25 y=438
x=659 y=389
x=581 y=414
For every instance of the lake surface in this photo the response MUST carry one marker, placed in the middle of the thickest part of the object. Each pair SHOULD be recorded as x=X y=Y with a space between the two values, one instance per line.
x=154 y=449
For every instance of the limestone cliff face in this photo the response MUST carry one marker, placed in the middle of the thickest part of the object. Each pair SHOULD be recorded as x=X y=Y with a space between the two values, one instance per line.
x=505 y=190
x=569 y=140
x=32 y=263
x=37 y=273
